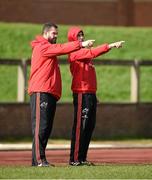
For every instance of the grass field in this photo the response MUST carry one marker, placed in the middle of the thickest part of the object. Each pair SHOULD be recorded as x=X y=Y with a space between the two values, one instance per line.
x=94 y=172
x=102 y=171
x=113 y=82
x=16 y=37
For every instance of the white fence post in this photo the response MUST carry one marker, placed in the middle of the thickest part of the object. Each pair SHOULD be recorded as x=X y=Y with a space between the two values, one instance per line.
x=135 y=82
x=21 y=91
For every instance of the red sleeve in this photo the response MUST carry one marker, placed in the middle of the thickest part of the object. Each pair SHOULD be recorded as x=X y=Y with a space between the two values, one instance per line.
x=60 y=49
x=84 y=53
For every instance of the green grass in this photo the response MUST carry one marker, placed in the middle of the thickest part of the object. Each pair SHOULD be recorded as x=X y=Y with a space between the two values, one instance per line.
x=113 y=82
x=16 y=37
x=96 y=172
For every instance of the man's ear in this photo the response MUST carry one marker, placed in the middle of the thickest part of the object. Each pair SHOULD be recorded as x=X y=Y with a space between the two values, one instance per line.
x=46 y=34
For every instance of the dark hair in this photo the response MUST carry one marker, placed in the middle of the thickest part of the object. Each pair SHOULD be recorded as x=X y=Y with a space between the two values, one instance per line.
x=47 y=26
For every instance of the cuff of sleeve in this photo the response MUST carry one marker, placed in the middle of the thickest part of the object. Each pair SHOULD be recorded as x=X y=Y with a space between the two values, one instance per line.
x=107 y=47
x=80 y=44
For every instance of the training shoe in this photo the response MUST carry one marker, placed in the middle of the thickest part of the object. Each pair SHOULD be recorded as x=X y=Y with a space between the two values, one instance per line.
x=87 y=163
x=45 y=163
x=77 y=163
x=42 y=165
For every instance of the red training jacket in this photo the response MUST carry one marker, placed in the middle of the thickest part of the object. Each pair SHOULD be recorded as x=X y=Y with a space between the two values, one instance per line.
x=45 y=73
x=81 y=65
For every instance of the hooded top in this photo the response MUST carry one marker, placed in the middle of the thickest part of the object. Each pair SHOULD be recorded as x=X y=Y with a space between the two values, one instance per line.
x=81 y=65
x=45 y=73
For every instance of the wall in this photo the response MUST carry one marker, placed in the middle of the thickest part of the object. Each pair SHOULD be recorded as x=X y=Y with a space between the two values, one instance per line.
x=93 y=12
x=113 y=120
x=143 y=13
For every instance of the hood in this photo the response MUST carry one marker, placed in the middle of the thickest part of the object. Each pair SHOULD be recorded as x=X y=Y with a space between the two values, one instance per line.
x=73 y=32
x=39 y=39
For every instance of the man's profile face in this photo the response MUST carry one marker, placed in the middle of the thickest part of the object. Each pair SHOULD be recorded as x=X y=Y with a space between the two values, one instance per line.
x=80 y=36
x=52 y=35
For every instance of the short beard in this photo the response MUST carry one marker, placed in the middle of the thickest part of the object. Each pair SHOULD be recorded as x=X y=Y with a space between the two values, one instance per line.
x=52 y=41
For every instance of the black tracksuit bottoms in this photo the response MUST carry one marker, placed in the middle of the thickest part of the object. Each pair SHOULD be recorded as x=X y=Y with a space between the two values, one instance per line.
x=84 y=123
x=43 y=107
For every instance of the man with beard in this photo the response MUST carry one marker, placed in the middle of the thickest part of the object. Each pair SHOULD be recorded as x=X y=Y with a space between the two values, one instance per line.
x=45 y=86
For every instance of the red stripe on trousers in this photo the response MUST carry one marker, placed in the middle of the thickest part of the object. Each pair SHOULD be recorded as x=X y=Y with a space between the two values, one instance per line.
x=76 y=149
x=37 y=149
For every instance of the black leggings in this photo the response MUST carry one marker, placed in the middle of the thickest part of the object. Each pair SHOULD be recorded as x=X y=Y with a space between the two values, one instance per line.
x=43 y=107
x=83 y=126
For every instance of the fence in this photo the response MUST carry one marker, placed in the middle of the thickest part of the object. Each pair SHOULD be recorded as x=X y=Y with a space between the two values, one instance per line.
x=133 y=64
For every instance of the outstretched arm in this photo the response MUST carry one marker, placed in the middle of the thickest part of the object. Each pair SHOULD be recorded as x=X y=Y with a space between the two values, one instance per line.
x=116 y=44
x=85 y=53
x=66 y=48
